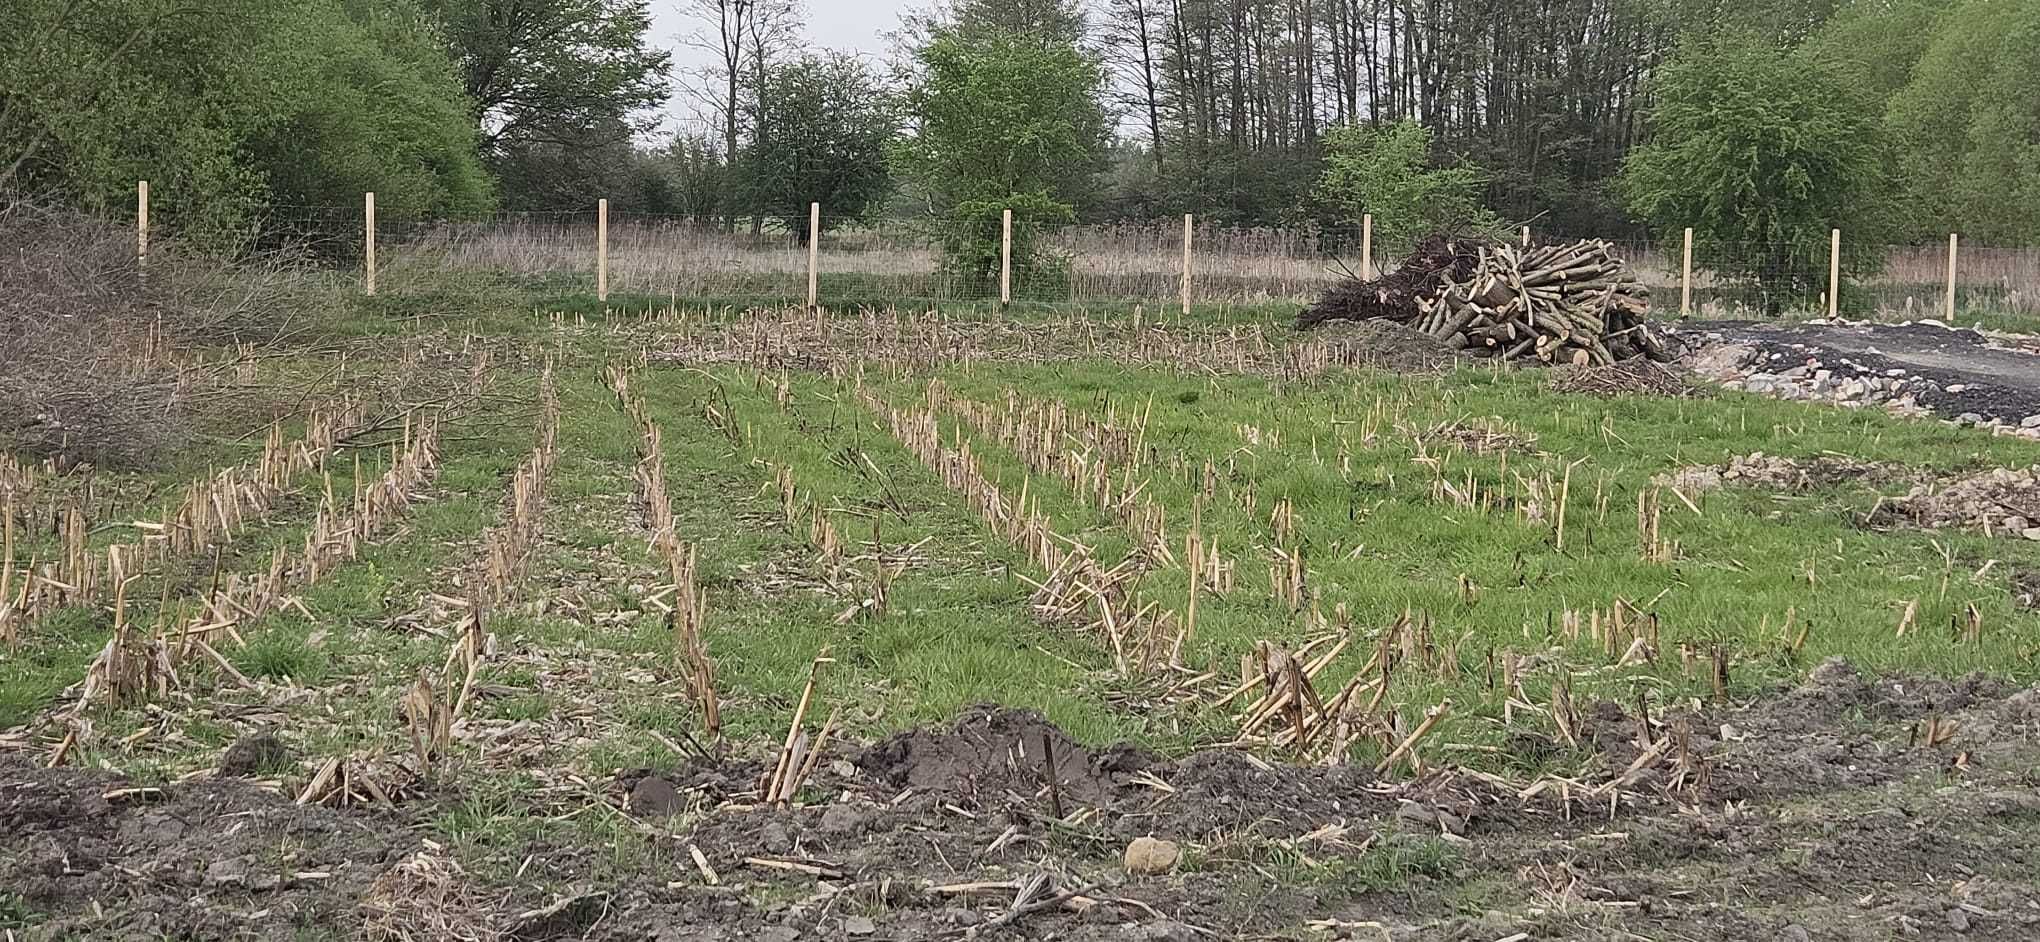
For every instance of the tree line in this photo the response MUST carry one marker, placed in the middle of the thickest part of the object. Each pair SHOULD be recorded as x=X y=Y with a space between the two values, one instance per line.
x=1760 y=126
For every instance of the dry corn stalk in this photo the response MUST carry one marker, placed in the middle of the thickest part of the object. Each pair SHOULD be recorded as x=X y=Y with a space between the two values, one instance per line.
x=799 y=754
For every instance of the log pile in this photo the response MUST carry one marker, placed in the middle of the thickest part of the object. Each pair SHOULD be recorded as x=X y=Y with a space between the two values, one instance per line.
x=1572 y=302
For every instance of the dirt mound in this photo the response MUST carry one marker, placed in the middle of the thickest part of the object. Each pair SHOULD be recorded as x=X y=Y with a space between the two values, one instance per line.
x=992 y=750
x=208 y=859
x=1774 y=472
x=2004 y=501
x=1382 y=345
x=1638 y=377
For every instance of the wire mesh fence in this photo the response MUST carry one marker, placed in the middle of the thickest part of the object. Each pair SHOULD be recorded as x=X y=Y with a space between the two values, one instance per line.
x=892 y=262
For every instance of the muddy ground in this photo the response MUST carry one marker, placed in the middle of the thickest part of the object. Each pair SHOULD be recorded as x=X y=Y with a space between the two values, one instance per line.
x=1821 y=812
x=1964 y=371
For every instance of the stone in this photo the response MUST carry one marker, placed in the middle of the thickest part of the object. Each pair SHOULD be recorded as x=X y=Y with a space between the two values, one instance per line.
x=255 y=754
x=1797 y=372
x=1415 y=813
x=1148 y=856
x=843 y=819
x=778 y=934
x=1161 y=931
x=654 y=797
x=1794 y=933
x=2031 y=421
x=774 y=839
x=1957 y=387
x=959 y=916
x=859 y=925
x=1969 y=418
x=2031 y=533
x=2016 y=524
x=1958 y=920
x=232 y=871
x=1852 y=389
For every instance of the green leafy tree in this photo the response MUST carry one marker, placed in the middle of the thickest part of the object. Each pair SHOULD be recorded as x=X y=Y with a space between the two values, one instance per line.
x=825 y=125
x=1967 y=125
x=1761 y=150
x=1001 y=120
x=1385 y=172
x=558 y=73
x=231 y=108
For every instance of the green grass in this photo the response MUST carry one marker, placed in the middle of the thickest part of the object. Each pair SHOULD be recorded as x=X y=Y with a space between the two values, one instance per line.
x=958 y=630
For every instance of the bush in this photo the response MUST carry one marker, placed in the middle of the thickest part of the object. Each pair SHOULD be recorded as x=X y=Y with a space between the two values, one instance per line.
x=85 y=332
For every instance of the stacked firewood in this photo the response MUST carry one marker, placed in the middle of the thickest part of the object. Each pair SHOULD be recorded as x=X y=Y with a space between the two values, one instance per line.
x=1573 y=302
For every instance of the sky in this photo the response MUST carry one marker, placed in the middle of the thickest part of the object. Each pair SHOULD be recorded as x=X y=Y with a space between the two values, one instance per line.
x=857 y=26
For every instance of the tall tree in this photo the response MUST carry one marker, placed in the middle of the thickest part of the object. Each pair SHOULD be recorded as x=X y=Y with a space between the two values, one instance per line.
x=743 y=36
x=1967 y=124
x=1000 y=120
x=555 y=71
x=233 y=107
x=832 y=122
x=1761 y=151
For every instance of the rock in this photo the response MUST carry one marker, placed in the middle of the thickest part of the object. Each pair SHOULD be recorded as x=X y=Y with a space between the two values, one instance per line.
x=1958 y=920
x=1451 y=823
x=2015 y=524
x=1161 y=931
x=2031 y=533
x=859 y=925
x=777 y=934
x=654 y=797
x=1147 y=856
x=1723 y=359
x=774 y=839
x=255 y=754
x=1414 y=812
x=2031 y=421
x=1797 y=372
x=1957 y=387
x=1852 y=389
x=232 y=871
x=843 y=819
x=1794 y=933
x=1969 y=418
x=1833 y=671
x=959 y=916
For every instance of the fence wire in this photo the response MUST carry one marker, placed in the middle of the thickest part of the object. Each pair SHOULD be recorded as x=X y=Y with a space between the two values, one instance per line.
x=883 y=263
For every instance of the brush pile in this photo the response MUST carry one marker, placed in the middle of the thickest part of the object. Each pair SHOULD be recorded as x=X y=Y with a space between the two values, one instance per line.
x=1571 y=303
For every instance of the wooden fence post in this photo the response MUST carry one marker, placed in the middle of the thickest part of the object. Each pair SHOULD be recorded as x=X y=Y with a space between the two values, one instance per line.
x=814 y=258
x=1006 y=258
x=368 y=242
x=1953 y=241
x=1686 y=276
x=602 y=250
x=142 y=224
x=1834 y=274
x=1367 y=246
x=1188 y=223
x=1526 y=237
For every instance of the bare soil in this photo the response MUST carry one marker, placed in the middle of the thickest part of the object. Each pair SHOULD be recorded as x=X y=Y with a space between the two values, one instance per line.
x=1820 y=812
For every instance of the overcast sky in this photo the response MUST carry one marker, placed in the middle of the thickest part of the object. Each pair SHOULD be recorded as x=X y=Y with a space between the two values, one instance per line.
x=850 y=25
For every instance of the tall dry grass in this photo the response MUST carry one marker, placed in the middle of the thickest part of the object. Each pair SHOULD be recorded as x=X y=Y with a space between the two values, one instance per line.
x=1127 y=262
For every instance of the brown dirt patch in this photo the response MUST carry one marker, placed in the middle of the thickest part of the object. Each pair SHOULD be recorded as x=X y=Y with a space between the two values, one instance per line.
x=1814 y=811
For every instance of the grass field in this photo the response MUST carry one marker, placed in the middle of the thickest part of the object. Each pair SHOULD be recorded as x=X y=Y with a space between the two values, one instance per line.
x=986 y=508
